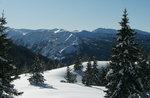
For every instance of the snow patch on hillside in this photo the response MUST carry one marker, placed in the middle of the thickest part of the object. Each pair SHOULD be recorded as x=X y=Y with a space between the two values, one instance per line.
x=53 y=88
x=68 y=37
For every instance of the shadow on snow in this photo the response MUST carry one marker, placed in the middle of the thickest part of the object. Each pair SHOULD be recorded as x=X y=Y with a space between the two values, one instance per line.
x=44 y=86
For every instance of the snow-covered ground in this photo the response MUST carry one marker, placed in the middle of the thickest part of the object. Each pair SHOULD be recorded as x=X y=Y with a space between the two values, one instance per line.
x=53 y=88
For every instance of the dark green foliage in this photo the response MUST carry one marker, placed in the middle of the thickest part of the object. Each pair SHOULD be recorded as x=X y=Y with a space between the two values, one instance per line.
x=87 y=78
x=147 y=73
x=145 y=70
x=8 y=71
x=85 y=58
x=95 y=73
x=70 y=77
x=37 y=78
x=38 y=66
x=124 y=79
x=36 y=70
x=93 y=76
x=102 y=76
x=24 y=58
x=78 y=63
x=100 y=48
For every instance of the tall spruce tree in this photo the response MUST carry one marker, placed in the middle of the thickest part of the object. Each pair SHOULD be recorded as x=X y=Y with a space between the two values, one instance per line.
x=87 y=78
x=70 y=77
x=124 y=79
x=95 y=72
x=36 y=70
x=78 y=63
x=7 y=69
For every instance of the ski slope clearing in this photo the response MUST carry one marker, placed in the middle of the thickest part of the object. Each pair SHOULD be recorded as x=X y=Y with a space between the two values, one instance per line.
x=54 y=88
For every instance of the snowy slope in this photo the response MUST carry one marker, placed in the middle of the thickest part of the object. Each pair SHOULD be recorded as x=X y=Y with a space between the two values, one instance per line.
x=56 y=89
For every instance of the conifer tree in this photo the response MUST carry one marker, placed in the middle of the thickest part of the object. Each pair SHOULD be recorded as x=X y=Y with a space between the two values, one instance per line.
x=95 y=72
x=145 y=70
x=87 y=78
x=102 y=76
x=78 y=63
x=37 y=70
x=70 y=77
x=7 y=69
x=85 y=57
x=124 y=80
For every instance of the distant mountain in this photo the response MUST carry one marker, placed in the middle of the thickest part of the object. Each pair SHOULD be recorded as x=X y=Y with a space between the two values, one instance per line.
x=62 y=44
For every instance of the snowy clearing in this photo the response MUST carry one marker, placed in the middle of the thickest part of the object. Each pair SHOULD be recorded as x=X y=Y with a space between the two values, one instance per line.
x=53 y=88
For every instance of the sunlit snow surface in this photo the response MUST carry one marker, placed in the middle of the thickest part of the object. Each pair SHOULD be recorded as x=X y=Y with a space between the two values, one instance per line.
x=53 y=88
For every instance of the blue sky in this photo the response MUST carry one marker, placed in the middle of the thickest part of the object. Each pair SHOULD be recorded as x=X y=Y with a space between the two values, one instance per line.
x=75 y=14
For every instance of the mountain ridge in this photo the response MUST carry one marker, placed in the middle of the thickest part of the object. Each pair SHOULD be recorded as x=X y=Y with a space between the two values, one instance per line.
x=60 y=44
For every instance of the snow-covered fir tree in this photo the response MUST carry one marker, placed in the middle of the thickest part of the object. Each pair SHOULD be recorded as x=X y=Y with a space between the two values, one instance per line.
x=124 y=79
x=95 y=72
x=87 y=78
x=144 y=71
x=37 y=70
x=7 y=69
x=147 y=72
x=78 y=63
x=70 y=77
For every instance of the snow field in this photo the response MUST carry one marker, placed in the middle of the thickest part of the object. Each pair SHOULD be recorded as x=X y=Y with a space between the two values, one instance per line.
x=53 y=88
